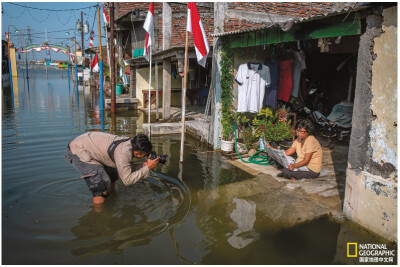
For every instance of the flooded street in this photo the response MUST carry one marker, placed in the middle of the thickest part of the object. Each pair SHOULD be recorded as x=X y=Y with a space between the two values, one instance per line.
x=47 y=212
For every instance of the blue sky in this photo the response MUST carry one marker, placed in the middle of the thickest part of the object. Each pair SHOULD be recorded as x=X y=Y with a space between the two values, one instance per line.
x=55 y=23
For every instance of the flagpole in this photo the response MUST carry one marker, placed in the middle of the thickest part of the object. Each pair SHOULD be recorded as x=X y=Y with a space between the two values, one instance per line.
x=148 y=27
x=184 y=97
x=149 y=92
x=76 y=77
x=106 y=35
x=101 y=74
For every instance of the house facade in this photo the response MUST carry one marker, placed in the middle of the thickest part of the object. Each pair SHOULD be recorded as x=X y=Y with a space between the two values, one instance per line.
x=345 y=46
x=167 y=52
x=351 y=54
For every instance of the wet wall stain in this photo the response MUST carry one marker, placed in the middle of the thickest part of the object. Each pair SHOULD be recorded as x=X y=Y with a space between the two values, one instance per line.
x=380 y=188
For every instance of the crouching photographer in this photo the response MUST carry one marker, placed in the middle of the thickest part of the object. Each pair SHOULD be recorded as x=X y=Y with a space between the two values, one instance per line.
x=102 y=158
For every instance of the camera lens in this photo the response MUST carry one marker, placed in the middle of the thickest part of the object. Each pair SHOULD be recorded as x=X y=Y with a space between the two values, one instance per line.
x=162 y=159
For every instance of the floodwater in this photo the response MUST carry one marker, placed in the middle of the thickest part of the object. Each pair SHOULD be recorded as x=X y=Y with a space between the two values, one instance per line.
x=47 y=215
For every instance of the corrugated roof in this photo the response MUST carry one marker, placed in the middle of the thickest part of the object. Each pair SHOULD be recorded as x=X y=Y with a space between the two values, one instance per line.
x=336 y=9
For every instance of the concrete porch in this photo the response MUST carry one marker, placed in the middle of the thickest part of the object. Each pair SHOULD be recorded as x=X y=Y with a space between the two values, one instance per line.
x=288 y=202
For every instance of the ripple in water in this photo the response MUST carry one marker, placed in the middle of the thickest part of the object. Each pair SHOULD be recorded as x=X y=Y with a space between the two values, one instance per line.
x=133 y=217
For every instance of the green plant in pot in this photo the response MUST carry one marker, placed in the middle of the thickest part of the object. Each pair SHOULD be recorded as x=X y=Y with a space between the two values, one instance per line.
x=228 y=115
x=274 y=126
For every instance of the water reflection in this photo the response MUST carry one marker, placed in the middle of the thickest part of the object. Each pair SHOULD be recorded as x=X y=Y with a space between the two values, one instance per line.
x=244 y=215
x=16 y=92
x=133 y=217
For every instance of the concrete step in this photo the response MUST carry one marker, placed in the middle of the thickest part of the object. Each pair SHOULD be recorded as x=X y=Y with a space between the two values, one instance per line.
x=122 y=102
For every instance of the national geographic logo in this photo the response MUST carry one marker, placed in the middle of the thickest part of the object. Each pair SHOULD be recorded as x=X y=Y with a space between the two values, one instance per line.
x=377 y=253
x=351 y=250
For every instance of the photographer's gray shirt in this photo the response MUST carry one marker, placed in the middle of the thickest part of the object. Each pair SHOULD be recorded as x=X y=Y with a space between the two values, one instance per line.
x=91 y=148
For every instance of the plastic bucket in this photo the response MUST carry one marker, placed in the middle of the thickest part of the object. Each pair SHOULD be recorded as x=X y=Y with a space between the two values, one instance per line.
x=118 y=89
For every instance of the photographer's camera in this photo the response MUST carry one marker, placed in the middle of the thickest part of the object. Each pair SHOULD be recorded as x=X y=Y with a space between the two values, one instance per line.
x=161 y=158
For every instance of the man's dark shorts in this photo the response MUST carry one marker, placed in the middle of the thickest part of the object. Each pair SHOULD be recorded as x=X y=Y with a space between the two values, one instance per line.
x=97 y=177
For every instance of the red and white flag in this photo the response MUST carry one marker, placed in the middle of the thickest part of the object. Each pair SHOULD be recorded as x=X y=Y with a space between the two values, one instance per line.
x=105 y=16
x=91 y=39
x=148 y=26
x=8 y=37
x=195 y=26
x=95 y=63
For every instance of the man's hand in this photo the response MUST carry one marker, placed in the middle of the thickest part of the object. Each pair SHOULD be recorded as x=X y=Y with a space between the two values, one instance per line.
x=151 y=163
x=292 y=166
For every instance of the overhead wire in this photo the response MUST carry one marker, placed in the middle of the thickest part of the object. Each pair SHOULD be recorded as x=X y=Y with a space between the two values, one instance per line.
x=69 y=18
x=36 y=19
x=36 y=33
x=32 y=35
x=47 y=9
x=4 y=11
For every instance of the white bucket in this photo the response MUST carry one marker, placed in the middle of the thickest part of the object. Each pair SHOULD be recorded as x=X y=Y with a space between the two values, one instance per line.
x=227 y=146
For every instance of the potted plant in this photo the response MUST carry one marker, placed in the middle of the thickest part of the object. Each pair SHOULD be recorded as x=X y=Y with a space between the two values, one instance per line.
x=273 y=126
x=227 y=122
x=228 y=115
x=249 y=139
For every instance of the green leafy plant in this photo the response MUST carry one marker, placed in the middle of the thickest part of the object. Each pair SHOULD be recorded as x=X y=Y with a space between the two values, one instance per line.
x=278 y=132
x=248 y=138
x=106 y=70
x=271 y=124
x=228 y=115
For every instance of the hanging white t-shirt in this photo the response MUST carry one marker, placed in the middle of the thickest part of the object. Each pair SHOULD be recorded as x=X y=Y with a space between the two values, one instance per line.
x=252 y=79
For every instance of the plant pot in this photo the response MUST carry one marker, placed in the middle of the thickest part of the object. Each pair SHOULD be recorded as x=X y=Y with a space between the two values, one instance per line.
x=274 y=144
x=227 y=146
x=285 y=144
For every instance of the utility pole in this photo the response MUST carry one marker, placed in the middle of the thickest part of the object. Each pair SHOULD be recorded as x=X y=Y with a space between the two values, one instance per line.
x=26 y=64
x=82 y=30
x=33 y=56
x=112 y=59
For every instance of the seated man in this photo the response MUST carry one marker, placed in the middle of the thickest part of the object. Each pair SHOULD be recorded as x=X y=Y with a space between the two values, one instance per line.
x=101 y=158
x=309 y=154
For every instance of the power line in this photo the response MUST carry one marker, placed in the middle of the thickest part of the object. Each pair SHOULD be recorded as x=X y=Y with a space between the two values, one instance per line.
x=12 y=34
x=36 y=19
x=46 y=9
x=4 y=11
x=60 y=19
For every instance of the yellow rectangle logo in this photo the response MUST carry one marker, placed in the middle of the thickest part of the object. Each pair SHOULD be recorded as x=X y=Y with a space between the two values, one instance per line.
x=351 y=250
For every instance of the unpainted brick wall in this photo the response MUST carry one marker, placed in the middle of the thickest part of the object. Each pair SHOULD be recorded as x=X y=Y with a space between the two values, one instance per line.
x=179 y=20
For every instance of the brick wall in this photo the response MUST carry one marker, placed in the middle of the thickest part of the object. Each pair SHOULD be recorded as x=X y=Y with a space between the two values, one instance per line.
x=179 y=20
x=125 y=7
x=179 y=17
x=239 y=24
x=158 y=20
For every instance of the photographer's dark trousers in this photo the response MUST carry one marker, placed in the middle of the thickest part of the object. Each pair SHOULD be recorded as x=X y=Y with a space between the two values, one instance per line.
x=299 y=174
x=97 y=177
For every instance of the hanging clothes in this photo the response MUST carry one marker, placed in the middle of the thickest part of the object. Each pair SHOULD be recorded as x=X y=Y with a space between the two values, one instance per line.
x=271 y=91
x=285 y=80
x=299 y=64
x=252 y=79
x=173 y=71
